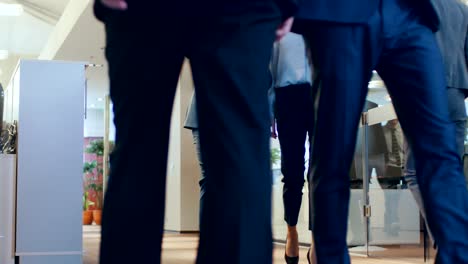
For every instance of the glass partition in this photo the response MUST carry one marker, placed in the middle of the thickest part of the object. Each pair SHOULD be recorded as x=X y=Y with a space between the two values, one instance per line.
x=393 y=220
x=357 y=223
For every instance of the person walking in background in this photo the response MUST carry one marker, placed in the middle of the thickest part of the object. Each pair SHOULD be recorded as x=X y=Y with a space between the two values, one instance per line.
x=294 y=116
x=191 y=123
x=229 y=47
x=452 y=39
x=348 y=40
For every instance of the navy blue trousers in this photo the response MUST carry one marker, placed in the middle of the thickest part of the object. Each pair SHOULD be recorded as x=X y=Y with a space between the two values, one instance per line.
x=406 y=56
x=295 y=118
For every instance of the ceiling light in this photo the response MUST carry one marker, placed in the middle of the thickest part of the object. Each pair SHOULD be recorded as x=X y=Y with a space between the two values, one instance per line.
x=99 y=99
x=4 y=53
x=93 y=106
x=11 y=9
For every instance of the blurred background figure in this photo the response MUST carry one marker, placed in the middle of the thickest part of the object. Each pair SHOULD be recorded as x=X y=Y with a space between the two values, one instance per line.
x=294 y=120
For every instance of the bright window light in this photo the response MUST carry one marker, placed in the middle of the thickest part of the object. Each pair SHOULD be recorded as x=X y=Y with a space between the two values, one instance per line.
x=11 y=9
x=4 y=54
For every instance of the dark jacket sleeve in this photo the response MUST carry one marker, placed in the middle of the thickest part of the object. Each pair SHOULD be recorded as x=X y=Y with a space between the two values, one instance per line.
x=288 y=7
x=99 y=10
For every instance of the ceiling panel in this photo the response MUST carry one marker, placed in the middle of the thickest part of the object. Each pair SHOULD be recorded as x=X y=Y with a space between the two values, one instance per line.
x=55 y=6
x=25 y=36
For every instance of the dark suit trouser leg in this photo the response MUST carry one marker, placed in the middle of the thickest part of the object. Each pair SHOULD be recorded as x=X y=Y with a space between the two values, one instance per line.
x=343 y=73
x=230 y=68
x=294 y=117
x=143 y=77
x=229 y=58
x=413 y=72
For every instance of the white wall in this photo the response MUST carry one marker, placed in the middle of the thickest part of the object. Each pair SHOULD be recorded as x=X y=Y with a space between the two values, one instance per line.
x=182 y=203
x=94 y=123
x=173 y=194
x=63 y=28
x=111 y=126
x=190 y=168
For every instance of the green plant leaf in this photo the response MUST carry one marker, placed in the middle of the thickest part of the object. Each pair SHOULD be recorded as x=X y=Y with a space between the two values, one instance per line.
x=86 y=202
x=88 y=167
x=96 y=147
x=275 y=156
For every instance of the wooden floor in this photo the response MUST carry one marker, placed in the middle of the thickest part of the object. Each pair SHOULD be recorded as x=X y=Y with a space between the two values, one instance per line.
x=181 y=249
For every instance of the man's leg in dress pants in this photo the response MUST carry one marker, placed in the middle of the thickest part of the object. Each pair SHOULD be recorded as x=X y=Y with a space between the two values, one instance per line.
x=413 y=72
x=343 y=72
x=457 y=112
x=143 y=76
x=229 y=60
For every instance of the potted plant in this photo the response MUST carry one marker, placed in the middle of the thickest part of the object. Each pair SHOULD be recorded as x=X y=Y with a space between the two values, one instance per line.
x=87 y=214
x=88 y=170
x=97 y=187
x=89 y=167
x=96 y=147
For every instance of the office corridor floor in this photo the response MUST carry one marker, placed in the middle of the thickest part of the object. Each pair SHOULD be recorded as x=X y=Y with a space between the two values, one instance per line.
x=181 y=249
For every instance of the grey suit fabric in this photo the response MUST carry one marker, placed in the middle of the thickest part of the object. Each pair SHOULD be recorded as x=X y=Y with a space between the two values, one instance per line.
x=452 y=39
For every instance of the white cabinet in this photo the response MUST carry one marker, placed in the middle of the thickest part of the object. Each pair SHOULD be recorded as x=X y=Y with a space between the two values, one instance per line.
x=7 y=208
x=47 y=100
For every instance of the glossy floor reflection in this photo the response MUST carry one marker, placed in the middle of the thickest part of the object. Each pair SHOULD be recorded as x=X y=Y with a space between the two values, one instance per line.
x=181 y=249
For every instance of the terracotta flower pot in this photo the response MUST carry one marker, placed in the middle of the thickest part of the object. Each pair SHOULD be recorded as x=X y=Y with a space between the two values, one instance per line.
x=87 y=217
x=97 y=216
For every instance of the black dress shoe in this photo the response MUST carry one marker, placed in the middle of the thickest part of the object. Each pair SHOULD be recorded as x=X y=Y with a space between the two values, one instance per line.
x=291 y=260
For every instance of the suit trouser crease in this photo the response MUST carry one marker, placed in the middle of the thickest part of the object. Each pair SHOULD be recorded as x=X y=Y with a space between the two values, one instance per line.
x=229 y=59
x=411 y=67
